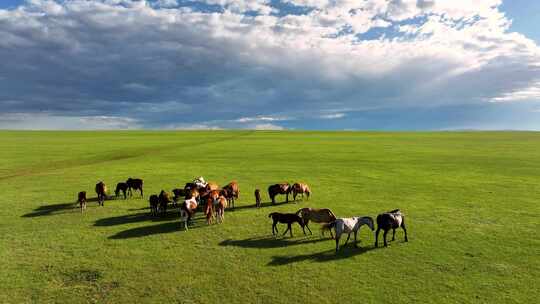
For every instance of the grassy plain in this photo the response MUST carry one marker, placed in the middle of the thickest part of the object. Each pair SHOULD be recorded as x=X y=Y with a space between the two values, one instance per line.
x=472 y=201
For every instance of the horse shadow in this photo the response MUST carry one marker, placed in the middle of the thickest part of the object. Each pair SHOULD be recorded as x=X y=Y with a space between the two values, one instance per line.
x=162 y=228
x=59 y=208
x=269 y=242
x=319 y=257
x=135 y=218
x=263 y=205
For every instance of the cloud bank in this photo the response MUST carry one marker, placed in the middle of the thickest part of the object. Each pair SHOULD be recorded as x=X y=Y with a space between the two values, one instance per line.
x=257 y=64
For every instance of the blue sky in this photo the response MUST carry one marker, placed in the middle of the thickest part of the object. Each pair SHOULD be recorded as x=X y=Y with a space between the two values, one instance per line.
x=270 y=64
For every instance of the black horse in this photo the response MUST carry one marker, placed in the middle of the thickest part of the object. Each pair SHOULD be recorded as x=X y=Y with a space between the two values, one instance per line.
x=121 y=187
x=285 y=218
x=390 y=220
x=134 y=184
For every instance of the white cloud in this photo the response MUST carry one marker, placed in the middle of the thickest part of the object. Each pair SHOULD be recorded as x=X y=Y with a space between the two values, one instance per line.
x=267 y=126
x=333 y=116
x=44 y=121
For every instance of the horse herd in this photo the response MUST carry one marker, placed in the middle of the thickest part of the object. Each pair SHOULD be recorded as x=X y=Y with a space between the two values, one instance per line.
x=214 y=200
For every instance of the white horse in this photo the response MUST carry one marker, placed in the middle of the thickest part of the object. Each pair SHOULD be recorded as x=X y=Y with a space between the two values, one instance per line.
x=348 y=225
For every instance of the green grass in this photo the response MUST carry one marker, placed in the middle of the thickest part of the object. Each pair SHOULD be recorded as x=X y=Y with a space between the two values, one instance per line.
x=471 y=201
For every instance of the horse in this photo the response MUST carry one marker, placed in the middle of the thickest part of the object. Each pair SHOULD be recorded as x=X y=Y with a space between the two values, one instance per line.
x=219 y=207
x=285 y=218
x=209 y=210
x=184 y=216
x=390 y=220
x=212 y=186
x=121 y=187
x=190 y=206
x=316 y=215
x=81 y=199
x=134 y=184
x=233 y=192
x=300 y=188
x=177 y=194
x=101 y=190
x=193 y=193
x=283 y=188
x=348 y=225
x=164 y=200
x=257 y=198
x=154 y=203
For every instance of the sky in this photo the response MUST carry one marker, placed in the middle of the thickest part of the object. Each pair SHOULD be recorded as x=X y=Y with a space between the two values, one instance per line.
x=270 y=64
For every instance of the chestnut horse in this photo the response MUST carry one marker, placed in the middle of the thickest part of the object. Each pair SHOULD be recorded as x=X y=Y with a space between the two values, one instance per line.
x=283 y=188
x=232 y=192
x=220 y=205
x=101 y=190
x=300 y=188
x=257 y=198
x=390 y=220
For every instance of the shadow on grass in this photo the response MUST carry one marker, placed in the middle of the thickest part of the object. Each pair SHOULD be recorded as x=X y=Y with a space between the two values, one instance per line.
x=263 y=205
x=60 y=208
x=135 y=218
x=270 y=242
x=168 y=227
x=320 y=257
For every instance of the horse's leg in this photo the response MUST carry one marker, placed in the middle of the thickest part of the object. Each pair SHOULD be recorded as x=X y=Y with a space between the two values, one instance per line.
x=393 y=234
x=142 y=192
x=348 y=236
x=288 y=228
x=308 y=228
x=404 y=229
x=355 y=233
x=377 y=237
x=385 y=232
x=274 y=228
x=337 y=242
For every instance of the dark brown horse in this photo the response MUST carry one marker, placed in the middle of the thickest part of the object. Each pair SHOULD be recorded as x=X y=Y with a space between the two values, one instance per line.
x=285 y=218
x=232 y=192
x=101 y=191
x=154 y=203
x=283 y=188
x=257 y=198
x=164 y=200
x=390 y=220
x=316 y=215
x=81 y=199
x=300 y=188
x=121 y=187
x=134 y=184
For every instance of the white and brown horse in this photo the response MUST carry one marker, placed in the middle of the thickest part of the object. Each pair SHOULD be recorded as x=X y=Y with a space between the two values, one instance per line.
x=300 y=188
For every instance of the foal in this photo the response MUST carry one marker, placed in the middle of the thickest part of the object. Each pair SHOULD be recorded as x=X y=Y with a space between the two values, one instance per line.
x=285 y=218
x=348 y=225
x=390 y=220
x=257 y=198
x=81 y=199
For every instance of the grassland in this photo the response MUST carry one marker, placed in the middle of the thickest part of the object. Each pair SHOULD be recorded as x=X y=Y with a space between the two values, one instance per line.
x=471 y=200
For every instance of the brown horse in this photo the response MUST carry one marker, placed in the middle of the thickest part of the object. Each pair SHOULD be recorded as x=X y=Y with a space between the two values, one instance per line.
x=232 y=191
x=300 y=188
x=285 y=218
x=81 y=199
x=209 y=210
x=390 y=220
x=316 y=215
x=220 y=206
x=212 y=186
x=154 y=203
x=257 y=198
x=164 y=200
x=101 y=190
x=283 y=188
x=134 y=184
